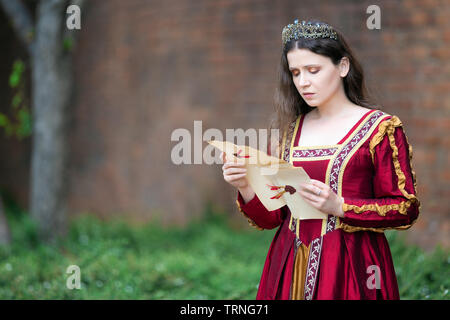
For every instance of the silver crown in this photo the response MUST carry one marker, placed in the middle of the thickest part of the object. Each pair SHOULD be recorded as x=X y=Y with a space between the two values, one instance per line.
x=307 y=30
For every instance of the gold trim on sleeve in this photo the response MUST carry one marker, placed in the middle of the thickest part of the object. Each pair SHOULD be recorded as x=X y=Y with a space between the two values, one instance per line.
x=401 y=207
x=388 y=127
x=250 y=221
x=398 y=170
x=410 y=149
x=349 y=228
x=382 y=129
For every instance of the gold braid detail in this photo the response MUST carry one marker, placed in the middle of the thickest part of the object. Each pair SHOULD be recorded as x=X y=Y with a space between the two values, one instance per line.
x=412 y=171
x=402 y=207
x=250 y=221
x=388 y=127
x=382 y=128
x=348 y=228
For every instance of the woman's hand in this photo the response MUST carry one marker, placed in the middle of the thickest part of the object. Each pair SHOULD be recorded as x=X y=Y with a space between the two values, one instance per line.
x=234 y=173
x=321 y=197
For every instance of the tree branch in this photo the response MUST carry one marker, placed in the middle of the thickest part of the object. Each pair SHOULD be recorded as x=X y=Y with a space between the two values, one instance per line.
x=22 y=22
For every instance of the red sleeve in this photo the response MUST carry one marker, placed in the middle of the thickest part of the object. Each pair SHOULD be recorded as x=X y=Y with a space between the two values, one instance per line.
x=395 y=205
x=257 y=215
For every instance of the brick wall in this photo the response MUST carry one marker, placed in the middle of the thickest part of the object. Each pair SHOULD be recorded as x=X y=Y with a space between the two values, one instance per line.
x=146 y=68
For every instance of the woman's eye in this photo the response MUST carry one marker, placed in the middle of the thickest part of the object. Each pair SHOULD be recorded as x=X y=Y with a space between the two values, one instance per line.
x=313 y=71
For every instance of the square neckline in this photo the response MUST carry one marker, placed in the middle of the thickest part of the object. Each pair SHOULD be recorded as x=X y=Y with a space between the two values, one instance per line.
x=300 y=127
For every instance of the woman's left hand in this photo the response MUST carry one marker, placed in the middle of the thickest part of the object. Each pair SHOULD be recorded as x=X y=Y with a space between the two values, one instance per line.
x=321 y=197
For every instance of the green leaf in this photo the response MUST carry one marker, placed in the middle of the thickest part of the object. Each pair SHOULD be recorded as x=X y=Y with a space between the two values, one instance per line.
x=68 y=44
x=19 y=66
x=24 y=126
x=14 y=79
x=17 y=99
x=3 y=120
x=17 y=70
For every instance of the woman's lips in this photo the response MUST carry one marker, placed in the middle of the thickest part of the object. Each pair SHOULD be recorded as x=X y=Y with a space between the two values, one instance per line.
x=308 y=95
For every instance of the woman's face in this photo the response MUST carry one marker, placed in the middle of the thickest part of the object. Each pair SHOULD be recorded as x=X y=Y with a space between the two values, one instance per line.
x=316 y=74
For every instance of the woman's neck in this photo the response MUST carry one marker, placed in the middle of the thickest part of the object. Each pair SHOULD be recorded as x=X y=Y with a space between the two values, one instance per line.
x=335 y=107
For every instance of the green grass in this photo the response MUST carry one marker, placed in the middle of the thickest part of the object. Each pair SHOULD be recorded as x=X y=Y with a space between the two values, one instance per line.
x=206 y=260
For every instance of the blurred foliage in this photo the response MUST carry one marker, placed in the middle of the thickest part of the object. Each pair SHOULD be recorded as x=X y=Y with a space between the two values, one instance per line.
x=17 y=122
x=208 y=259
x=68 y=44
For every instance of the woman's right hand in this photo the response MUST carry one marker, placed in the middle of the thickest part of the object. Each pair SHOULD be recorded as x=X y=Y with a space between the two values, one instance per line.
x=234 y=172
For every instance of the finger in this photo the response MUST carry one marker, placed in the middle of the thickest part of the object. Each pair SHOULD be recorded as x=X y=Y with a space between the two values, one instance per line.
x=236 y=177
x=318 y=183
x=310 y=188
x=315 y=204
x=326 y=191
x=225 y=157
x=238 y=161
x=231 y=171
x=309 y=196
x=233 y=165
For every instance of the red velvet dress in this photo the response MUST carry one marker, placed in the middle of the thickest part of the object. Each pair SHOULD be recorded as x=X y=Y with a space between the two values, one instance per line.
x=336 y=258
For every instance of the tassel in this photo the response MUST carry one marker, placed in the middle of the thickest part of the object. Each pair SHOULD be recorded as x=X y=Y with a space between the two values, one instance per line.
x=277 y=196
x=286 y=188
x=274 y=187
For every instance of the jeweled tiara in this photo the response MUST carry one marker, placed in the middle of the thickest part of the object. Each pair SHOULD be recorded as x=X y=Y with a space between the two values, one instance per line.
x=307 y=30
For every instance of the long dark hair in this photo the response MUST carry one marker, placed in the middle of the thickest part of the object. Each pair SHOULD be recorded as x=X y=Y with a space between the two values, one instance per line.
x=288 y=102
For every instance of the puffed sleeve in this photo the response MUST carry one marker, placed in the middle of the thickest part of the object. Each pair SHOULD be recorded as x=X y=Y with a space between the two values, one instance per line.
x=395 y=204
x=255 y=212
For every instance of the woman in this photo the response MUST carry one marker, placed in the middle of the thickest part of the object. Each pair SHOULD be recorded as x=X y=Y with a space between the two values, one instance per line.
x=359 y=162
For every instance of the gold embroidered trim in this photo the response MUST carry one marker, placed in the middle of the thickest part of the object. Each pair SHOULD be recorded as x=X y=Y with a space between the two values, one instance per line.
x=349 y=228
x=388 y=127
x=398 y=170
x=325 y=146
x=402 y=207
x=283 y=143
x=250 y=221
x=287 y=138
x=294 y=135
x=412 y=171
x=382 y=129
